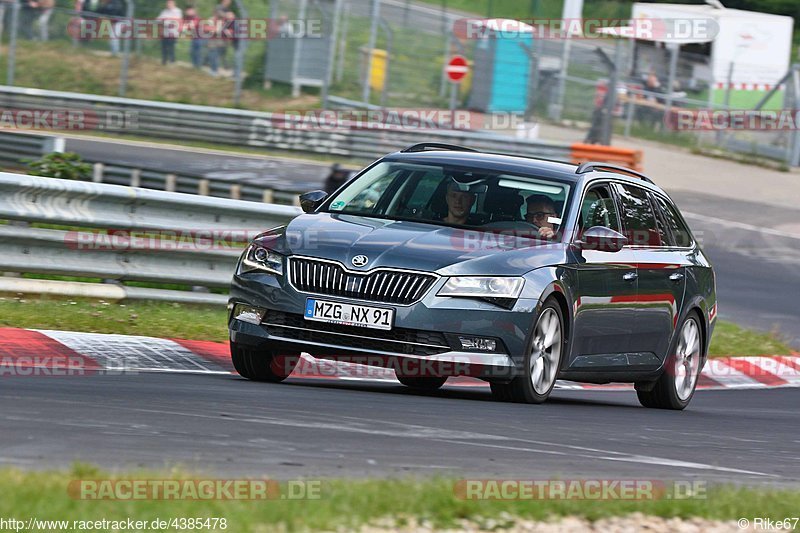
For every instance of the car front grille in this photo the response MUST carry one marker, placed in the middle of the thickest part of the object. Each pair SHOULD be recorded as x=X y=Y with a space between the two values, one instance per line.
x=382 y=285
x=399 y=340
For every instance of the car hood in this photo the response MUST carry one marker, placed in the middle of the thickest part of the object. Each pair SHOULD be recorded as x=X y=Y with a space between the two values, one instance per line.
x=411 y=245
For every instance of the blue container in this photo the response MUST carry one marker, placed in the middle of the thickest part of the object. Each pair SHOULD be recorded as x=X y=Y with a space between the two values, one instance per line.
x=502 y=67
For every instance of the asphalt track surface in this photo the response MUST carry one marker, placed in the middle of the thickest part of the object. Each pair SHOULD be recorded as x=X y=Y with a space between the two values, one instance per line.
x=225 y=425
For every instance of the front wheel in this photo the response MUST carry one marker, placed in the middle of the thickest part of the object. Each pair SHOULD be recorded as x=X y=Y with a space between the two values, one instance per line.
x=262 y=365
x=542 y=362
x=676 y=385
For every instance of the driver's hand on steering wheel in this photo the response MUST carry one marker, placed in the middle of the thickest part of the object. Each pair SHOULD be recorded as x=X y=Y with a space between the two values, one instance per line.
x=546 y=233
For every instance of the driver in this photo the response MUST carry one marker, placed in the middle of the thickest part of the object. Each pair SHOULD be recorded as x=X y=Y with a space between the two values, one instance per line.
x=459 y=204
x=539 y=211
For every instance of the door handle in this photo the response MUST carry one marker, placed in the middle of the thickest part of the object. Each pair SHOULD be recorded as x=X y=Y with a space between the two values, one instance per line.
x=677 y=276
x=630 y=276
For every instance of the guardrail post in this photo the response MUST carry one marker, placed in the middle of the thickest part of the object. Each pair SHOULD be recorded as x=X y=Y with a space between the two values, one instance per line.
x=268 y=196
x=170 y=182
x=236 y=191
x=136 y=177
x=53 y=144
x=203 y=187
x=296 y=201
x=97 y=172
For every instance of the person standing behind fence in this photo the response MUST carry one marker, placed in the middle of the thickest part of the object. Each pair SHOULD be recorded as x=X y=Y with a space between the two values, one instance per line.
x=216 y=43
x=171 y=17
x=3 y=5
x=114 y=10
x=224 y=12
x=29 y=14
x=223 y=8
x=45 y=12
x=231 y=33
x=193 y=23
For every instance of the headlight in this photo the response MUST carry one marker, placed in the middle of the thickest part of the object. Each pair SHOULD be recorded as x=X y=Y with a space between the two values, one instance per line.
x=483 y=287
x=260 y=258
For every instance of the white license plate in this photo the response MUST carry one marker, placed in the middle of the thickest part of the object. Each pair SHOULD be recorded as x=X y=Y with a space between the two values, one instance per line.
x=349 y=314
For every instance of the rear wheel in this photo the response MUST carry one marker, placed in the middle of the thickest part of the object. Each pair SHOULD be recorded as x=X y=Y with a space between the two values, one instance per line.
x=422 y=383
x=676 y=385
x=262 y=365
x=542 y=362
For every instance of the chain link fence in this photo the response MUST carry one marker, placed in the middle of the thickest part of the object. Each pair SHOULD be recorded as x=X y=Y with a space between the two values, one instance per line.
x=391 y=53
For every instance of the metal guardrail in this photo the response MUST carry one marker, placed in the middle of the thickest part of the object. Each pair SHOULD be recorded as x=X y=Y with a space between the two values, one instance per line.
x=15 y=147
x=127 y=234
x=117 y=174
x=261 y=130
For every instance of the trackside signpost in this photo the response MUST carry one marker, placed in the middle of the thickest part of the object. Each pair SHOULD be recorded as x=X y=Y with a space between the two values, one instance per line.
x=456 y=70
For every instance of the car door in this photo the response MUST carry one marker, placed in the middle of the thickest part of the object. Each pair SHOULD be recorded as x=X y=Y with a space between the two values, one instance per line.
x=606 y=290
x=660 y=268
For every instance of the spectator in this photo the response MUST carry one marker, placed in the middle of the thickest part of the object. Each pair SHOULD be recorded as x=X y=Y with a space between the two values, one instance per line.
x=3 y=5
x=224 y=12
x=193 y=24
x=114 y=11
x=336 y=178
x=231 y=33
x=223 y=8
x=45 y=11
x=216 y=42
x=30 y=13
x=170 y=17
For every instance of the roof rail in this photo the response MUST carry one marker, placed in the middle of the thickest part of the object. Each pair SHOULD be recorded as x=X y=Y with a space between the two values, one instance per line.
x=599 y=165
x=421 y=147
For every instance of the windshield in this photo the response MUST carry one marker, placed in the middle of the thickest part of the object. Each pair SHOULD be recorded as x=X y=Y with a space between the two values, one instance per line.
x=455 y=196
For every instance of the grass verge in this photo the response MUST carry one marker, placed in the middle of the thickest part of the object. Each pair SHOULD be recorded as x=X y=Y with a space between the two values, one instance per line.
x=201 y=322
x=54 y=66
x=348 y=504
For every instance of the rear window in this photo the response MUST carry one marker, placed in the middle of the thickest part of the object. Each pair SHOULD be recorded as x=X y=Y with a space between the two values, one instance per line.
x=638 y=218
x=679 y=233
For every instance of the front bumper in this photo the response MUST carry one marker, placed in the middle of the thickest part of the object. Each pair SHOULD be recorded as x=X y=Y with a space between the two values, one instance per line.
x=424 y=333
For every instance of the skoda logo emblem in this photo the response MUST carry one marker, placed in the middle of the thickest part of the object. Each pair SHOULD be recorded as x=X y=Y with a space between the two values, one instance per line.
x=360 y=260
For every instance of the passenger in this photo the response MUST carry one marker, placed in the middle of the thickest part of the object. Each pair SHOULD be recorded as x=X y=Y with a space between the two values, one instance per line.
x=459 y=204
x=539 y=211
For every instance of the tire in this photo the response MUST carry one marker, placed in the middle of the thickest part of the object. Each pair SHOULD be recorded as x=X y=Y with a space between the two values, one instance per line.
x=542 y=361
x=262 y=365
x=676 y=385
x=422 y=383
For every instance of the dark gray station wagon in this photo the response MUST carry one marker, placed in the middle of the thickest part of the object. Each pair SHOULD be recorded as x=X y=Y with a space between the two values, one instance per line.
x=438 y=261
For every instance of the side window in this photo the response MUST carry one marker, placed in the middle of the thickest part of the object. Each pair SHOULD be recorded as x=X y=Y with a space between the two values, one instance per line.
x=661 y=227
x=680 y=233
x=598 y=209
x=638 y=217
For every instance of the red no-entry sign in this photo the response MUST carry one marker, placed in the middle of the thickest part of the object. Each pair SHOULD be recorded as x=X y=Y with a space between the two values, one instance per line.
x=457 y=69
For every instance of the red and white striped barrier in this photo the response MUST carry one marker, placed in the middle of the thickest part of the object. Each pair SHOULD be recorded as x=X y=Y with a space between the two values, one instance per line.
x=26 y=352
x=745 y=86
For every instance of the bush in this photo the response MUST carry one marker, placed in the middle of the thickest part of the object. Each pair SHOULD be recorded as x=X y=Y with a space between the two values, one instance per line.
x=66 y=165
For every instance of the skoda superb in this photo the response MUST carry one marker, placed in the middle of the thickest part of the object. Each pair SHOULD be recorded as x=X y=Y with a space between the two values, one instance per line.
x=439 y=261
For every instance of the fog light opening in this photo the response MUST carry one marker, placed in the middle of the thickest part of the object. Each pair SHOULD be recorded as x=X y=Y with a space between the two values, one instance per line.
x=478 y=344
x=248 y=313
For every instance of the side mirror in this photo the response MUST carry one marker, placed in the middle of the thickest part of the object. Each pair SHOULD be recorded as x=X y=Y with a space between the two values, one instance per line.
x=602 y=239
x=310 y=201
